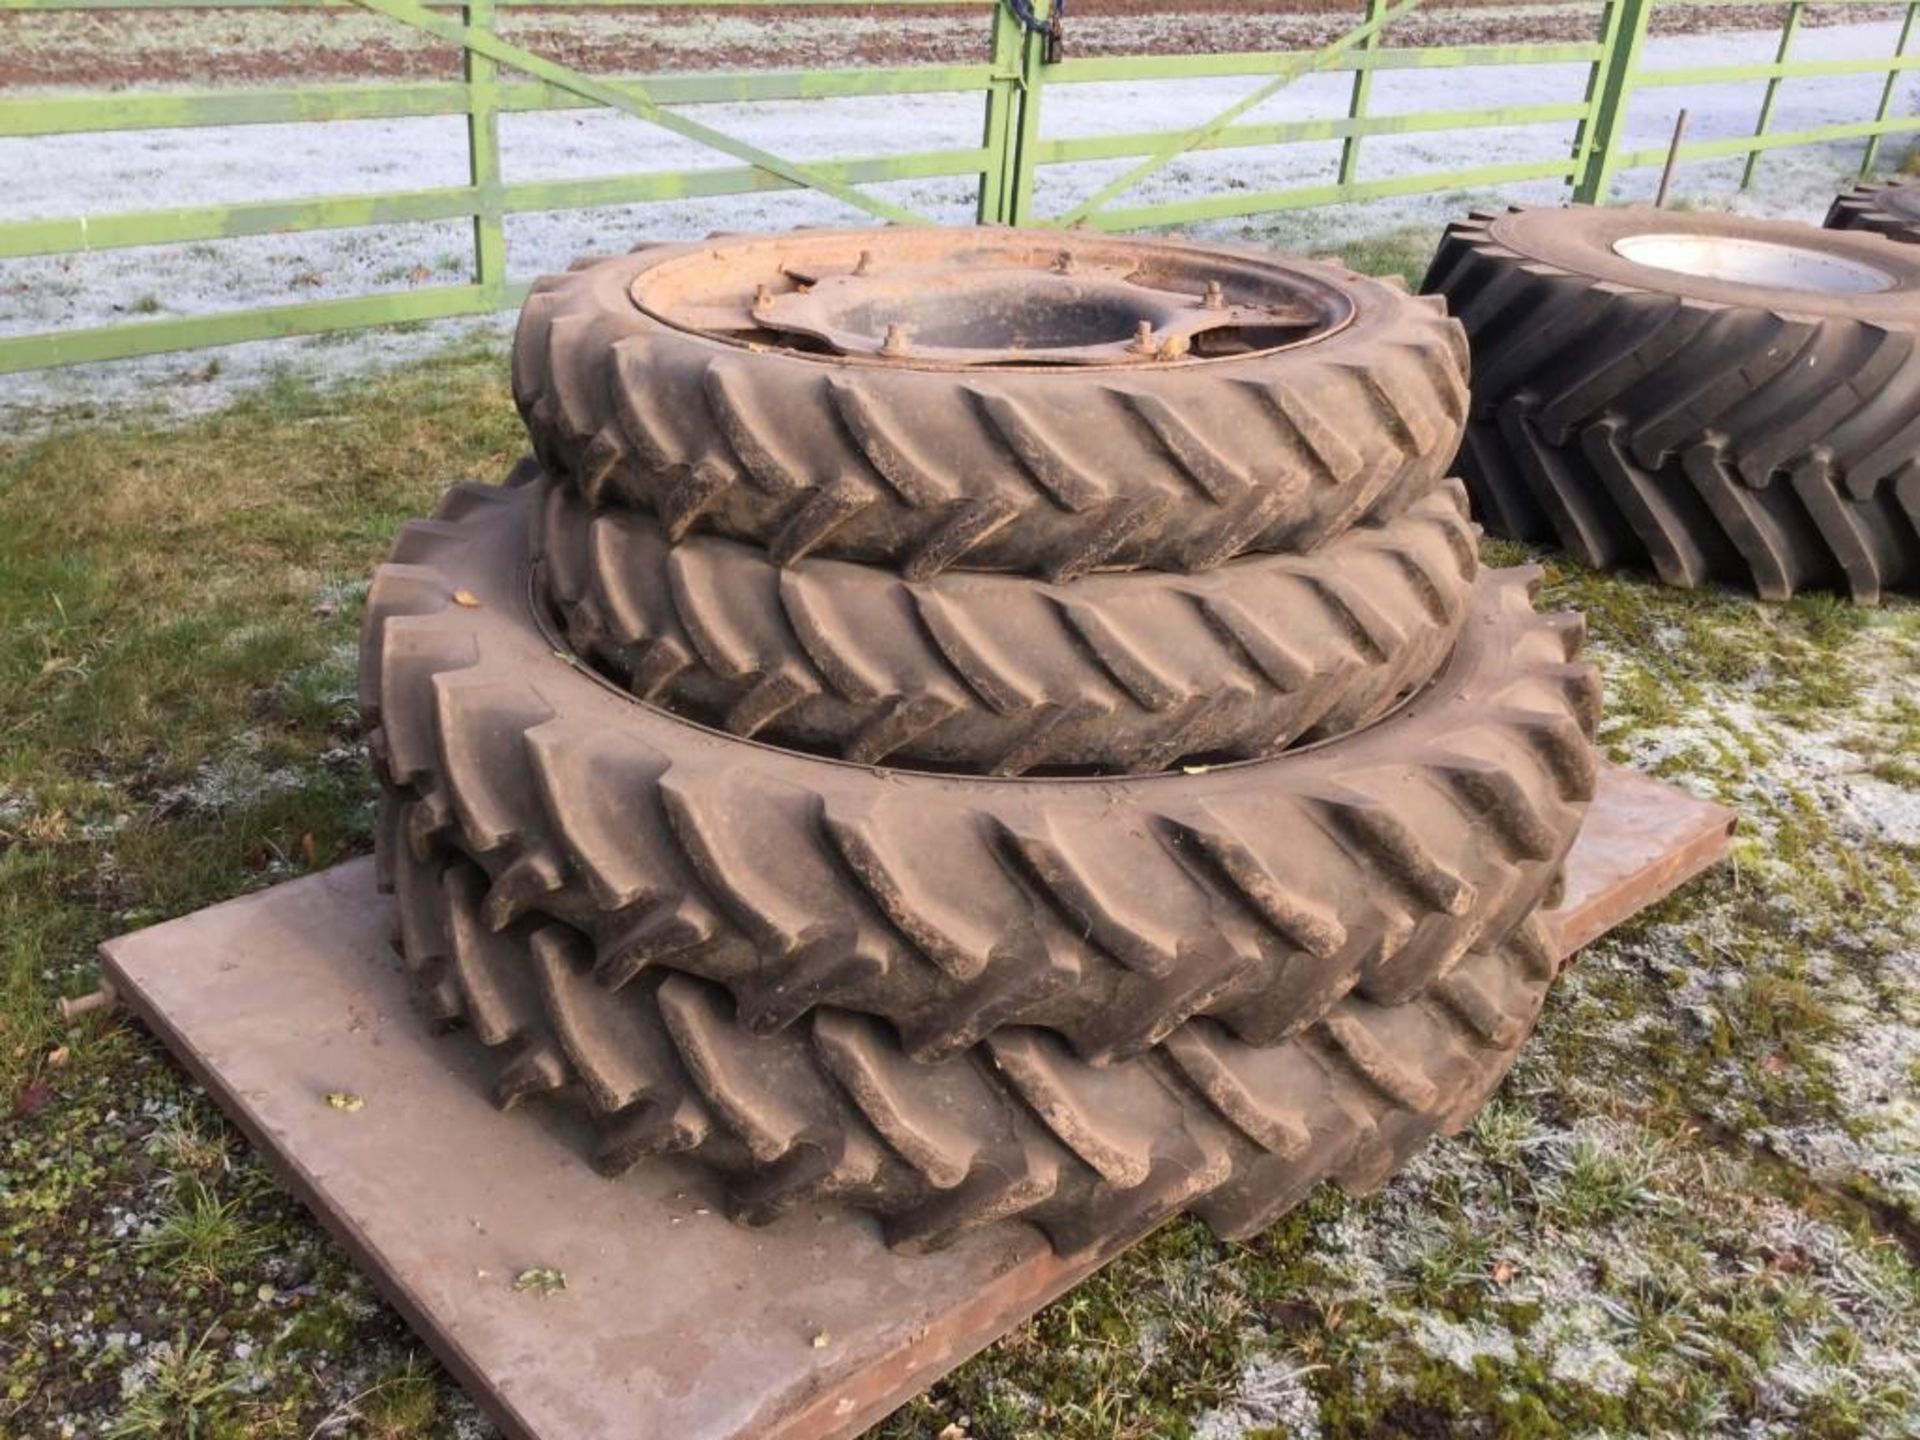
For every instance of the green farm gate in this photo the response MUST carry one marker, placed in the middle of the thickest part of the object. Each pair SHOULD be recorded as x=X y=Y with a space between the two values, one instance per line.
x=1022 y=64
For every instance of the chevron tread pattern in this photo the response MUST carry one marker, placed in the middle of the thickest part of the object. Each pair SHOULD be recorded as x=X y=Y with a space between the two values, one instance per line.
x=1883 y=207
x=1260 y=894
x=998 y=674
x=1702 y=440
x=832 y=1110
x=1040 y=472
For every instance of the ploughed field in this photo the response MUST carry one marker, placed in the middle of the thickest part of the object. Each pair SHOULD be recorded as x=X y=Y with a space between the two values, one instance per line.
x=242 y=47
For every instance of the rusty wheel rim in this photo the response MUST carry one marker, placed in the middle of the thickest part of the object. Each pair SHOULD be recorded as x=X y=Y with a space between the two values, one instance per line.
x=964 y=299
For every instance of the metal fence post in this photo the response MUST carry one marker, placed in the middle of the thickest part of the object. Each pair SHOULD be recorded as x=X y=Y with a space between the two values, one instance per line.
x=1357 y=105
x=1886 y=93
x=1597 y=146
x=483 y=160
x=1002 y=118
x=1788 y=29
x=1026 y=129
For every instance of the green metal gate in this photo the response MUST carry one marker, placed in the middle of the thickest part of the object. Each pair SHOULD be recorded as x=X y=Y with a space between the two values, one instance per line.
x=503 y=78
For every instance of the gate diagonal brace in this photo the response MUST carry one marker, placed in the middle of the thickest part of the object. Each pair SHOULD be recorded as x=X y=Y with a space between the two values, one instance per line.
x=632 y=99
x=1192 y=139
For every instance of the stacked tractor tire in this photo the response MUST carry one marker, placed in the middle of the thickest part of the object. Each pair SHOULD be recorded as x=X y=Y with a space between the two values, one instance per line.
x=1881 y=207
x=980 y=726
x=1710 y=397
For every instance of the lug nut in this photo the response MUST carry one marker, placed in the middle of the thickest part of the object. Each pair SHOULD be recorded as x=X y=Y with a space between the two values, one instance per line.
x=1214 y=299
x=896 y=341
x=1143 y=342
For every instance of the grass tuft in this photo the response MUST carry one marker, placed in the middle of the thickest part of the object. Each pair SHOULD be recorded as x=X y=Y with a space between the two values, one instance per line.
x=180 y=1392
x=198 y=1237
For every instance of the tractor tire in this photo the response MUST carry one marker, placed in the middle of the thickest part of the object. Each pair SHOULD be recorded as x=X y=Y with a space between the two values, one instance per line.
x=1179 y=463
x=1707 y=426
x=1883 y=207
x=1129 y=672
x=1109 y=911
x=832 y=1111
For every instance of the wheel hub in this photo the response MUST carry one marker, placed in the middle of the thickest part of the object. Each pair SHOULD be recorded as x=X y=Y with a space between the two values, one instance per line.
x=1753 y=262
x=964 y=299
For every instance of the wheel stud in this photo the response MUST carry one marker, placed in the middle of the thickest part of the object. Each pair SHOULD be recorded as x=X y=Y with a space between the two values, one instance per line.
x=1215 y=299
x=1143 y=341
x=896 y=341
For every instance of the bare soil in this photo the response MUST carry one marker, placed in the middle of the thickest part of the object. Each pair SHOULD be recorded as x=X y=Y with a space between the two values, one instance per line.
x=110 y=49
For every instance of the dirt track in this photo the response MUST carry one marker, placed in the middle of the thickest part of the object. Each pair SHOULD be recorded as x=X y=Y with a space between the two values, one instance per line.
x=246 y=47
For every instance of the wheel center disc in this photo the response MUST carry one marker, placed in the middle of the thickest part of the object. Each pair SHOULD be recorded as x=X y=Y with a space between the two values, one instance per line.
x=1754 y=262
x=963 y=299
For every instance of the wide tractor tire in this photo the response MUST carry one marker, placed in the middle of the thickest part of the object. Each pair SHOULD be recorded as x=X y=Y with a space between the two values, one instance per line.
x=1047 y=470
x=1883 y=207
x=1707 y=427
x=832 y=1111
x=1107 y=910
x=999 y=674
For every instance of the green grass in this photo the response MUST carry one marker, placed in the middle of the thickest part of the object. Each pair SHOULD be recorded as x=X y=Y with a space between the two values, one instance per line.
x=185 y=1393
x=1693 y=1209
x=198 y=1237
x=177 y=725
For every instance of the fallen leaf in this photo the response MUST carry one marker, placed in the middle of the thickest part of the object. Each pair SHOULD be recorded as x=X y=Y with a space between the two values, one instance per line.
x=822 y=1340
x=342 y=1100
x=1502 y=1271
x=57 y=1058
x=467 y=599
x=542 y=1280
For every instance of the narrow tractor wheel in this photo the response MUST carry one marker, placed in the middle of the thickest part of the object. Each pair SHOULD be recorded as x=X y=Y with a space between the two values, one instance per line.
x=832 y=1112
x=1106 y=910
x=1045 y=403
x=1130 y=672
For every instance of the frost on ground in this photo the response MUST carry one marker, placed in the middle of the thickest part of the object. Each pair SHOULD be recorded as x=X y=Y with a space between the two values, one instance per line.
x=125 y=171
x=1842 y=775
x=1691 y=1210
x=1270 y=1399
